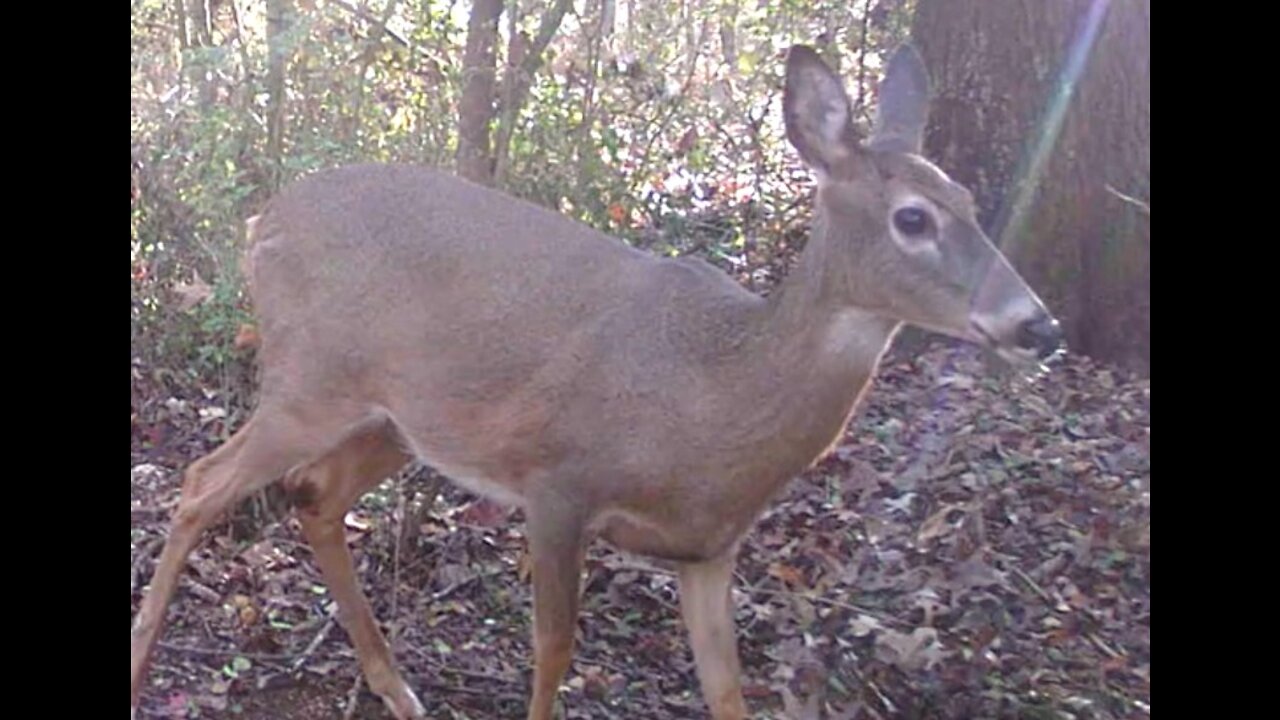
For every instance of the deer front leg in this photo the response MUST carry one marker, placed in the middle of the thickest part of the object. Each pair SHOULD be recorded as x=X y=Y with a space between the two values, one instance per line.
x=252 y=459
x=556 y=546
x=707 y=606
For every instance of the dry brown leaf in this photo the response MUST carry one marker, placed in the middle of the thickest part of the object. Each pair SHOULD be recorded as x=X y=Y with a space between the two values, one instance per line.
x=918 y=650
x=484 y=513
x=247 y=337
x=788 y=574
x=940 y=523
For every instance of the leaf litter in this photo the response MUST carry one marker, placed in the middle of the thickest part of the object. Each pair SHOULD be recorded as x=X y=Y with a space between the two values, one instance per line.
x=975 y=546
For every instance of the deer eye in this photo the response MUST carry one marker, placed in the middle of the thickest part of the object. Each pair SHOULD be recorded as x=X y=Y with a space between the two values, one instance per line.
x=911 y=221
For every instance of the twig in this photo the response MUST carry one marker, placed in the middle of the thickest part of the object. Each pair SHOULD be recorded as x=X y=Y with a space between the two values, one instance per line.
x=862 y=59
x=353 y=697
x=228 y=652
x=818 y=599
x=144 y=554
x=442 y=668
x=884 y=699
x=601 y=662
x=639 y=567
x=1142 y=206
x=464 y=690
x=439 y=667
x=677 y=101
x=1092 y=637
x=147 y=513
x=1104 y=647
x=379 y=24
x=204 y=592
x=465 y=581
x=670 y=606
x=399 y=38
x=750 y=589
x=1035 y=587
x=395 y=563
x=867 y=682
x=315 y=643
x=947 y=472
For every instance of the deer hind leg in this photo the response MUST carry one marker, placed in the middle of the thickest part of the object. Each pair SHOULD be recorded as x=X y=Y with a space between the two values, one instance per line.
x=706 y=603
x=255 y=456
x=324 y=489
x=556 y=547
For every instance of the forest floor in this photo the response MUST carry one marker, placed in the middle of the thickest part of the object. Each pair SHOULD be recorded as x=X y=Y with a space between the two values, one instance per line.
x=977 y=546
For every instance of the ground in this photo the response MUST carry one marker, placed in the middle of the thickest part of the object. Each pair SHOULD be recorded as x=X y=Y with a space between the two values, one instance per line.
x=978 y=546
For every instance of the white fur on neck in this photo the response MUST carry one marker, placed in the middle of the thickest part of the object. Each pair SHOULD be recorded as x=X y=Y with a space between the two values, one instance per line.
x=857 y=335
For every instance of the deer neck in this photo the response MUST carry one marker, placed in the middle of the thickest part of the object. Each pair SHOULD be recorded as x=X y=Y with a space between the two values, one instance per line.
x=816 y=319
x=816 y=352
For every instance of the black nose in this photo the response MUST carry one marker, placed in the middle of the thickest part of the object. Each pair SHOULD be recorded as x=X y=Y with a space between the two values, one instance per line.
x=1042 y=334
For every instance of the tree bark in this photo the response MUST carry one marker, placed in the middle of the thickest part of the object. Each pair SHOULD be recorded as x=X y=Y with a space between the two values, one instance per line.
x=367 y=56
x=196 y=23
x=279 y=19
x=729 y=35
x=1040 y=143
x=522 y=66
x=476 y=106
x=180 y=20
x=202 y=21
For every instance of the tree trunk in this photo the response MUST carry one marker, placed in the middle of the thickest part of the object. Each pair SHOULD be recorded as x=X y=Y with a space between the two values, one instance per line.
x=368 y=54
x=180 y=20
x=608 y=16
x=476 y=106
x=197 y=33
x=1043 y=109
x=202 y=22
x=691 y=48
x=729 y=35
x=522 y=64
x=279 y=19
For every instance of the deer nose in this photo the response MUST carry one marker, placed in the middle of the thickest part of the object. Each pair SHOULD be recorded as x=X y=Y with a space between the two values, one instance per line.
x=1043 y=334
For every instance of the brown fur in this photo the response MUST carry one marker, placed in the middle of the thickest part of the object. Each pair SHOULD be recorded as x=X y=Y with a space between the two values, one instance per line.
x=650 y=401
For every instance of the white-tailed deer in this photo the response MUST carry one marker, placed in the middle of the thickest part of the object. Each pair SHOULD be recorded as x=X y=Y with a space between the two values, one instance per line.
x=653 y=402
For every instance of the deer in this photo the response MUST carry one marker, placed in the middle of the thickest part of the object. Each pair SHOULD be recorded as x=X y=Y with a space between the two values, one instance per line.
x=650 y=402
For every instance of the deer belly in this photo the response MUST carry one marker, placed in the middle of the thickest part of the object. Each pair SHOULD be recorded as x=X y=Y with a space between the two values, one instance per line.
x=491 y=452
x=474 y=479
x=675 y=541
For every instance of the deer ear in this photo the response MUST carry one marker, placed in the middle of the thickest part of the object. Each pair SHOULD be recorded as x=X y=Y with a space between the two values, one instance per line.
x=816 y=111
x=904 y=103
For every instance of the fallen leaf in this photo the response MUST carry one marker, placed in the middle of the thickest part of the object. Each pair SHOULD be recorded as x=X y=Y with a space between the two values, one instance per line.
x=919 y=650
x=944 y=521
x=247 y=337
x=864 y=625
x=357 y=523
x=788 y=574
x=262 y=554
x=178 y=705
x=484 y=513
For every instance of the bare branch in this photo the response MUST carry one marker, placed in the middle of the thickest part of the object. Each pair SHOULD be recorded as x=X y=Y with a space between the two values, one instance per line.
x=519 y=78
x=1143 y=207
